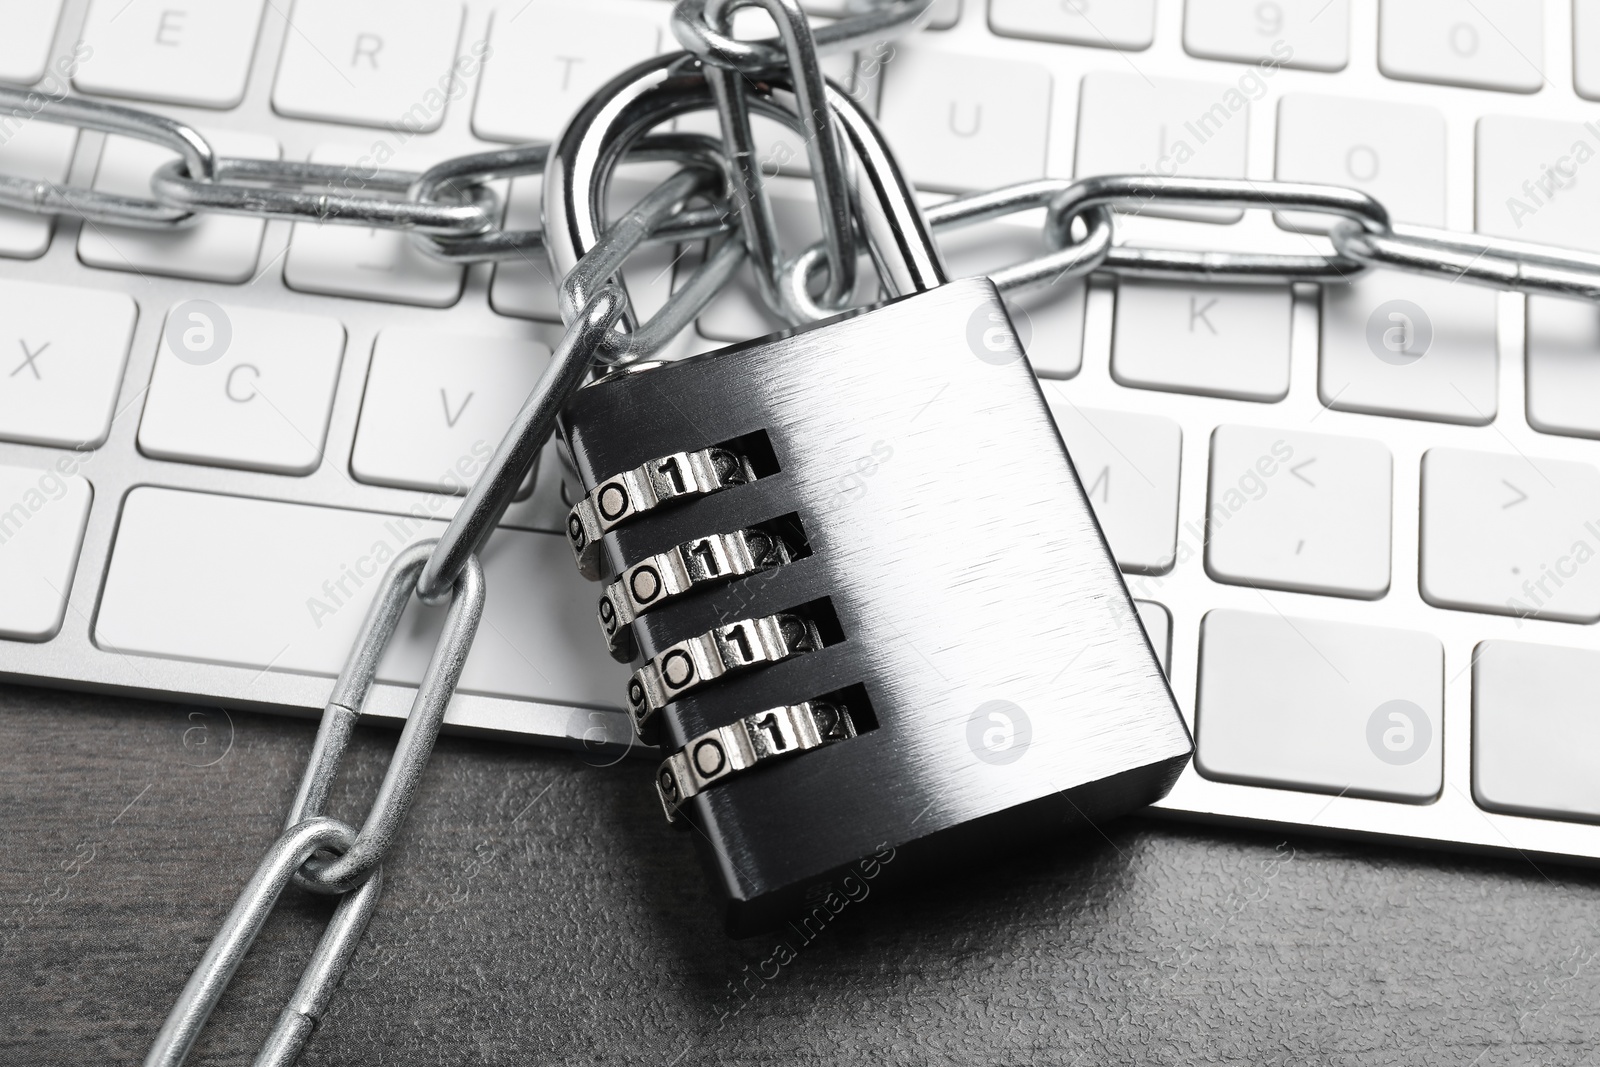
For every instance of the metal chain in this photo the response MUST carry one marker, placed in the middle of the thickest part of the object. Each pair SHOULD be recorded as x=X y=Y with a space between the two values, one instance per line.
x=452 y=213
x=325 y=855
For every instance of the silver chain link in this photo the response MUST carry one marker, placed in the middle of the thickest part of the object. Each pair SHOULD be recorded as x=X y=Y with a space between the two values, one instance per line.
x=451 y=212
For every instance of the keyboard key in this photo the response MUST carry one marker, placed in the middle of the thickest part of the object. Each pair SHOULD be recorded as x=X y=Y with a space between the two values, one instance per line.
x=219 y=248
x=1564 y=366
x=367 y=263
x=1402 y=344
x=1308 y=34
x=962 y=122
x=1217 y=340
x=1125 y=24
x=1510 y=535
x=1129 y=468
x=1050 y=320
x=25 y=46
x=1586 y=48
x=242 y=387
x=436 y=406
x=194 y=53
x=1481 y=44
x=294 y=582
x=1157 y=622
x=1533 y=184
x=1326 y=707
x=1536 y=730
x=41 y=151
x=547 y=57
x=1305 y=512
x=1392 y=150
x=1130 y=124
x=63 y=354
x=373 y=62
x=42 y=517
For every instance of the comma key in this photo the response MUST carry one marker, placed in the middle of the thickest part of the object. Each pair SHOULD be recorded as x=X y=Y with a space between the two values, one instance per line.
x=1299 y=511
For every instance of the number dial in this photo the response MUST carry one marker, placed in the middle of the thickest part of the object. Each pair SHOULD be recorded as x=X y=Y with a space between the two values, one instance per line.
x=728 y=750
x=616 y=500
x=689 y=664
x=680 y=570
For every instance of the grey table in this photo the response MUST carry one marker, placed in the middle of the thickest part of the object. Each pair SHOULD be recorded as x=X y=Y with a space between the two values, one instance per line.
x=538 y=911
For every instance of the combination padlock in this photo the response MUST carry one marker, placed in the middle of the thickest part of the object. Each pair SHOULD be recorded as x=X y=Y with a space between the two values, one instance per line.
x=870 y=610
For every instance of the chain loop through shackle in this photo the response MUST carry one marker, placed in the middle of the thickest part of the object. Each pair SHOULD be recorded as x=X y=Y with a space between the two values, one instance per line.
x=661 y=89
x=826 y=155
x=522 y=161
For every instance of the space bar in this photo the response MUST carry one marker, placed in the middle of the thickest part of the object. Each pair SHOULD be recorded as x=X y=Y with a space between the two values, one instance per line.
x=284 y=587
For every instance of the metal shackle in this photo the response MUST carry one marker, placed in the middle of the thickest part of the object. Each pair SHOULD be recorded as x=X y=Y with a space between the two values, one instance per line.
x=577 y=175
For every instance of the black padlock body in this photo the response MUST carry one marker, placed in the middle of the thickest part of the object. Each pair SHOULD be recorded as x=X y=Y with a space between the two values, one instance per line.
x=953 y=545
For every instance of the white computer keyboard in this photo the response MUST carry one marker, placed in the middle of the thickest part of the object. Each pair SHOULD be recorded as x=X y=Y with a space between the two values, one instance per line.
x=1363 y=525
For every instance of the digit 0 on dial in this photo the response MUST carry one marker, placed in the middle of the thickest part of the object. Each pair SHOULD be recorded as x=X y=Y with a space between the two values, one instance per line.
x=683 y=568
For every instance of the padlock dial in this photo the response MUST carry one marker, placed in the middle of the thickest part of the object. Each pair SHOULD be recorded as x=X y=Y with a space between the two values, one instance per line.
x=737 y=646
x=693 y=565
x=677 y=476
x=755 y=739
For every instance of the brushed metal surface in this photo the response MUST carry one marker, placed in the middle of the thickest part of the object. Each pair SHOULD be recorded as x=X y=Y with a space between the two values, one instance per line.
x=967 y=568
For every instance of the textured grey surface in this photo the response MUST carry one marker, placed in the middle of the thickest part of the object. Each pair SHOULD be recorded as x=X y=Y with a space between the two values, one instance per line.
x=539 y=912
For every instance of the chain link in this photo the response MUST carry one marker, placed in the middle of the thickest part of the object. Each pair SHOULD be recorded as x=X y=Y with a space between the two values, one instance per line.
x=363 y=855
x=825 y=153
x=298 y=191
x=227 y=950
x=692 y=26
x=48 y=198
x=717 y=194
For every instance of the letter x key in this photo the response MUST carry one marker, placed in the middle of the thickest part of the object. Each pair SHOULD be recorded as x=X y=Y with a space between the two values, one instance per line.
x=28 y=359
